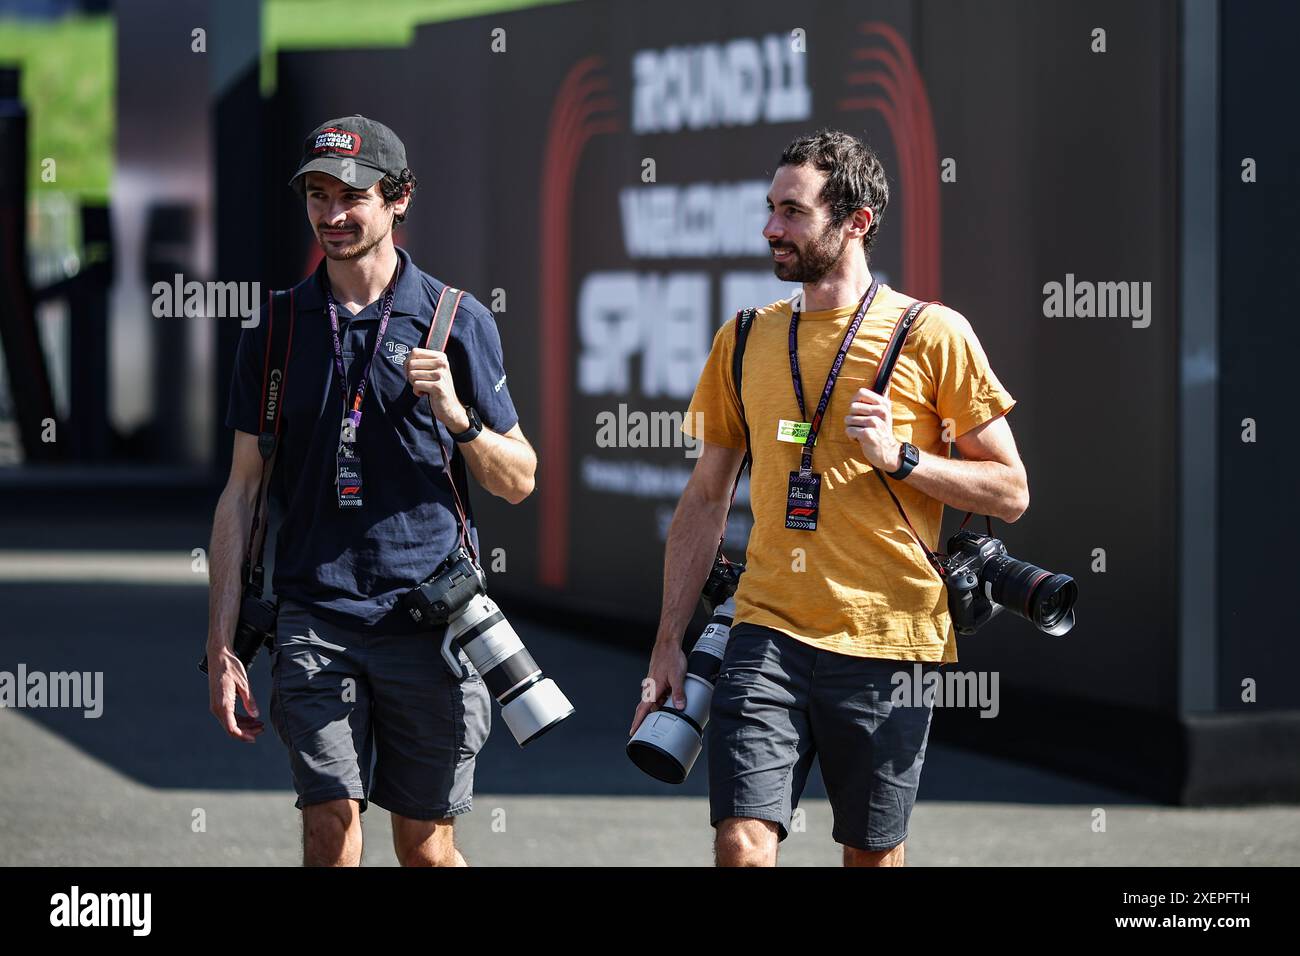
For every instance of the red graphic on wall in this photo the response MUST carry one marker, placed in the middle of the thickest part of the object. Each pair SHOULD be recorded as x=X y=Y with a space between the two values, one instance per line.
x=883 y=78
x=583 y=109
x=901 y=100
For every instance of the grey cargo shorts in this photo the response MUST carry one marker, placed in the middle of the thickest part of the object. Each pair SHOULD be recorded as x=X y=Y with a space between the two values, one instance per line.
x=342 y=701
x=779 y=703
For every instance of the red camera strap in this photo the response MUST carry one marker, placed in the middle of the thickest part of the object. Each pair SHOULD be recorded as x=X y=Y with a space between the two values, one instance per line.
x=988 y=523
x=444 y=314
x=275 y=375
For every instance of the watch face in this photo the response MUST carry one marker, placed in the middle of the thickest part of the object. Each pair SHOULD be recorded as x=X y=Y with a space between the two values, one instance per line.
x=474 y=420
x=908 y=459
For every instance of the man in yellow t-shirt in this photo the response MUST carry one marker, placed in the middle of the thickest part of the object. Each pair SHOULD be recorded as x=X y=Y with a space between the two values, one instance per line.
x=824 y=615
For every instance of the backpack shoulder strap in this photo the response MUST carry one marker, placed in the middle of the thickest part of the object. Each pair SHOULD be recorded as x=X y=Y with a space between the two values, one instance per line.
x=744 y=322
x=275 y=369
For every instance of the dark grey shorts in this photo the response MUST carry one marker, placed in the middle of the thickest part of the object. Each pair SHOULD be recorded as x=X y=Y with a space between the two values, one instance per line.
x=779 y=703
x=340 y=700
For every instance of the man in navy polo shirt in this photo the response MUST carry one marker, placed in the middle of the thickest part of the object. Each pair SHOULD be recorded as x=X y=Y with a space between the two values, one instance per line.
x=354 y=679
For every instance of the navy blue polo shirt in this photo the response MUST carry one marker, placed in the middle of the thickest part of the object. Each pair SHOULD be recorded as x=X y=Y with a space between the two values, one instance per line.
x=351 y=565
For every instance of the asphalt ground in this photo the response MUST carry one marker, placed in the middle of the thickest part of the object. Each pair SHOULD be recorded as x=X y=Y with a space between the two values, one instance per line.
x=154 y=781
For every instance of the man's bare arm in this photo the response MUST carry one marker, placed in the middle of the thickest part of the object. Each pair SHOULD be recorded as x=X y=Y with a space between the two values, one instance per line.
x=692 y=542
x=989 y=478
x=693 y=537
x=503 y=464
x=231 y=528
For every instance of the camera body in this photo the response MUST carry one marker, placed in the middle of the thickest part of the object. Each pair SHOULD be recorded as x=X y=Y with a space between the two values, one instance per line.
x=983 y=580
x=256 y=626
x=967 y=554
x=447 y=591
x=455 y=595
x=724 y=578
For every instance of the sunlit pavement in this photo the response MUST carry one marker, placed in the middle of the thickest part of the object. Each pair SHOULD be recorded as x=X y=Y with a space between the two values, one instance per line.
x=153 y=781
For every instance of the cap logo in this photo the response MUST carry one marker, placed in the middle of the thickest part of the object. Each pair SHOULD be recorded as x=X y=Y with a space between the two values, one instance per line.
x=333 y=140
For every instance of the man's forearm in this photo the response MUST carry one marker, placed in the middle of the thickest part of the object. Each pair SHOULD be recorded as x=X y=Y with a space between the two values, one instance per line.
x=984 y=487
x=503 y=465
x=692 y=543
x=231 y=527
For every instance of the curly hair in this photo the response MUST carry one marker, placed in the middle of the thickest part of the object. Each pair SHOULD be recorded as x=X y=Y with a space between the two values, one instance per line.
x=392 y=188
x=855 y=177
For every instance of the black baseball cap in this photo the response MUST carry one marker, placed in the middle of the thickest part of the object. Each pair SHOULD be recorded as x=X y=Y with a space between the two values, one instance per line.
x=355 y=149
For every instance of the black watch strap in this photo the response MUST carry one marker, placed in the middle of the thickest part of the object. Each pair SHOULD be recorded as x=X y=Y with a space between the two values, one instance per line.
x=910 y=459
x=475 y=427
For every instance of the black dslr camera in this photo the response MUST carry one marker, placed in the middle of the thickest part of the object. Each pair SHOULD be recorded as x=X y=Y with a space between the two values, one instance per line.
x=983 y=579
x=439 y=598
x=256 y=627
x=724 y=578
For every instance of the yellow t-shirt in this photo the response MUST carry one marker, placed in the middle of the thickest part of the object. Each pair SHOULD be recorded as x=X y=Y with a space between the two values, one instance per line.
x=866 y=588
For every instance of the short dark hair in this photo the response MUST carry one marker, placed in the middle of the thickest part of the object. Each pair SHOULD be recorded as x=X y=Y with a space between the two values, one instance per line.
x=855 y=177
x=392 y=188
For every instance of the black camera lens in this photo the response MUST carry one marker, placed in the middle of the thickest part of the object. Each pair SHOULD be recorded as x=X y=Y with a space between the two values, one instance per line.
x=1052 y=600
x=1040 y=597
x=1052 y=607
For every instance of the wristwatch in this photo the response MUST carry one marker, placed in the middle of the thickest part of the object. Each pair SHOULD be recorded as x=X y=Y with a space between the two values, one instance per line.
x=910 y=459
x=475 y=427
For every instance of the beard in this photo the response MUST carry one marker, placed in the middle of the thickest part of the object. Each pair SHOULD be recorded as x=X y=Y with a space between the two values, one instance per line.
x=814 y=260
x=360 y=244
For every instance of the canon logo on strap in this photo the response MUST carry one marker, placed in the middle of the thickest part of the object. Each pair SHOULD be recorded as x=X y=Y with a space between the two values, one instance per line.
x=272 y=394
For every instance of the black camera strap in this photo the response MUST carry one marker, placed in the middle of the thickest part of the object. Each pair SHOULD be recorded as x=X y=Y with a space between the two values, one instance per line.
x=444 y=314
x=275 y=370
x=883 y=375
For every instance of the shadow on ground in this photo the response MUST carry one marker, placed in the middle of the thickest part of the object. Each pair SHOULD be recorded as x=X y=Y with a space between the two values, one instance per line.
x=156 y=728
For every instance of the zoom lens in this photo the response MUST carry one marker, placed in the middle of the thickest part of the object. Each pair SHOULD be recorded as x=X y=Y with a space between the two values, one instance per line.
x=1052 y=600
x=531 y=703
x=1042 y=598
x=669 y=740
